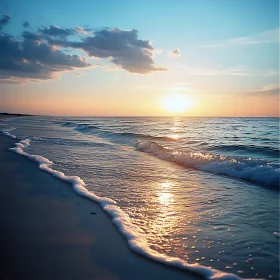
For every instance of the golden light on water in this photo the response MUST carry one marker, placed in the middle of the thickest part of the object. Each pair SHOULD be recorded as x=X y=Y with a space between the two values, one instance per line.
x=165 y=197
x=177 y=103
x=165 y=222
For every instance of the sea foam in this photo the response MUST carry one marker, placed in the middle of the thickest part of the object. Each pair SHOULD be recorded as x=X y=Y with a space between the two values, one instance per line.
x=254 y=170
x=134 y=235
x=7 y=132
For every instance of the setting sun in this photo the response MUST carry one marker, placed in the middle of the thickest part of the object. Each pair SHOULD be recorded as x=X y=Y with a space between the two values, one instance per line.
x=177 y=103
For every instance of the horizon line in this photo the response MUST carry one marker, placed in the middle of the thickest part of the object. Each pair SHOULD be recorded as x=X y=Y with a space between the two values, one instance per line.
x=120 y=116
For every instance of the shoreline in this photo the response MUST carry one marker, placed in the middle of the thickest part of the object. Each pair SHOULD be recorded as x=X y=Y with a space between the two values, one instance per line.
x=51 y=232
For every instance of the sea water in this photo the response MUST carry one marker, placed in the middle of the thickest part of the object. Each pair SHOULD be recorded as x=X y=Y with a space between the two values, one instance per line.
x=198 y=193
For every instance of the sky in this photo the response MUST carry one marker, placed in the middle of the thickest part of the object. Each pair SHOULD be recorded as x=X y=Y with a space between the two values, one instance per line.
x=140 y=58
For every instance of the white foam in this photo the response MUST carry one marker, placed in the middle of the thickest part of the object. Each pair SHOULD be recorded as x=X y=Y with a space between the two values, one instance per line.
x=135 y=236
x=7 y=132
x=259 y=171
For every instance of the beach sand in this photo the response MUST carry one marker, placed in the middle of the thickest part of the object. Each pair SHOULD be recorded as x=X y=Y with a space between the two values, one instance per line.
x=49 y=232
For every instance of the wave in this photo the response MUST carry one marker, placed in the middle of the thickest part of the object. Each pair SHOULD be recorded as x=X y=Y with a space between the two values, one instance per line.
x=68 y=123
x=72 y=142
x=7 y=132
x=90 y=127
x=75 y=124
x=82 y=127
x=253 y=170
x=147 y=136
x=265 y=150
x=134 y=236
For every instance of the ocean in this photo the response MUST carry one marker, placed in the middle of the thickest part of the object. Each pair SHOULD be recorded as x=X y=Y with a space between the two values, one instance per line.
x=201 y=194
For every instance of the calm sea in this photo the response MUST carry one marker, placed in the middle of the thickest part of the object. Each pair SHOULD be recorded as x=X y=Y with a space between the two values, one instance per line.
x=205 y=190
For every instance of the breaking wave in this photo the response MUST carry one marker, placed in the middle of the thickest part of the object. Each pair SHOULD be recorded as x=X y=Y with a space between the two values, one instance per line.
x=261 y=172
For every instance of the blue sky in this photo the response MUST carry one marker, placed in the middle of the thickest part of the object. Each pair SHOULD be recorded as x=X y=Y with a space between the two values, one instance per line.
x=227 y=49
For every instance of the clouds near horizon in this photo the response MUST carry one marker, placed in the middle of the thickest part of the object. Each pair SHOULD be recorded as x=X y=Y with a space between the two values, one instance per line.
x=268 y=90
x=36 y=56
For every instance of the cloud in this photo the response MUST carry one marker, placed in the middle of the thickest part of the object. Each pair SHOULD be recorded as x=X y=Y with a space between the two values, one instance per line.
x=268 y=90
x=25 y=24
x=231 y=71
x=266 y=37
x=41 y=55
x=55 y=31
x=5 y=20
x=33 y=60
x=81 y=30
x=121 y=47
x=79 y=74
x=176 y=52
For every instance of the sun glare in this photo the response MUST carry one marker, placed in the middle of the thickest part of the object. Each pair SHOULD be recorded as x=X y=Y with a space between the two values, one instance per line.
x=177 y=103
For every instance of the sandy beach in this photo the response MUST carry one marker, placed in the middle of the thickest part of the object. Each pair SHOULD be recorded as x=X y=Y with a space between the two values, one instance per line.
x=49 y=232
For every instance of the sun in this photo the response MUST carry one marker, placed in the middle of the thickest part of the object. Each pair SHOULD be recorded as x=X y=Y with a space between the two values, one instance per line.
x=177 y=103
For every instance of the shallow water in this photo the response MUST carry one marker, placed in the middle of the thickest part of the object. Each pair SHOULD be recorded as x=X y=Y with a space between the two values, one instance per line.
x=201 y=189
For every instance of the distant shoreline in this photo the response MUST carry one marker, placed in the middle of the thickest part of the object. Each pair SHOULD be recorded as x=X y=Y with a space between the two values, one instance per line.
x=15 y=115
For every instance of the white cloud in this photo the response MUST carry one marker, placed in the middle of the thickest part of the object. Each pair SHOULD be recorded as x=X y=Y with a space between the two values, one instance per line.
x=230 y=71
x=176 y=52
x=272 y=90
x=266 y=37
